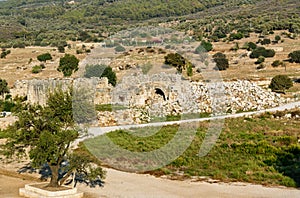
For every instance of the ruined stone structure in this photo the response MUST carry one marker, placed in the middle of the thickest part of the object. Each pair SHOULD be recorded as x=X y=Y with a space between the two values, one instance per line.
x=157 y=95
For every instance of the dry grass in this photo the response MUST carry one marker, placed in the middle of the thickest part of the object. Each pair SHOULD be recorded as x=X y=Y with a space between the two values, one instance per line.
x=16 y=66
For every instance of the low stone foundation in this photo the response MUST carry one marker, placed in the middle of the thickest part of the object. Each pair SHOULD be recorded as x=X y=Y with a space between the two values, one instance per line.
x=33 y=191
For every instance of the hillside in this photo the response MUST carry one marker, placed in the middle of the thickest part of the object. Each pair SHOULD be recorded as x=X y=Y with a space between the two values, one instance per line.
x=42 y=22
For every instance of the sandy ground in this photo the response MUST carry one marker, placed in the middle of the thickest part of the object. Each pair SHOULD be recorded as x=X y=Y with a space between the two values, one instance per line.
x=122 y=185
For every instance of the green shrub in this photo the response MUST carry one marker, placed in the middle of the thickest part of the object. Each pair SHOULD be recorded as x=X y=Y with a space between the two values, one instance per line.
x=44 y=57
x=260 y=59
x=280 y=83
x=205 y=46
x=261 y=51
x=176 y=60
x=189 y=70
x=277 y=63
x=36 y=69
x=265 y=41
x=68 y=64
x=101 y=71
x=61 y=49
x=221 y=61
x=295 y=56
x=120 y=48
x=236 y=36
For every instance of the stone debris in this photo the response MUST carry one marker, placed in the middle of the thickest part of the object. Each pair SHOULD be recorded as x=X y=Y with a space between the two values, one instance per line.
x=159 y=95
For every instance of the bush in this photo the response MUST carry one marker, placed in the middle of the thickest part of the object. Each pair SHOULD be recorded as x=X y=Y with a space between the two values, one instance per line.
x=204 y=47
x=251 y=46
x=261 y=51
x=295 y=56
x=265 y=41
x=221 y=61
x=280 y=83
x=189 y=70
x=276 y=63
x=176 y=60
x=277 y=38
x=260 y=59
x=236 y=36
x=61 y=49
x=68 y=64
x=4 y=53
x=44 y=57
x=120 y=48
x=101 y=71
x=36 y=69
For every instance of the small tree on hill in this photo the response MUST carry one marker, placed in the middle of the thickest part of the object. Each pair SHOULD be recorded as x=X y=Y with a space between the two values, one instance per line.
x=44 y=57
x=295 y=56
x=101 y=71
x=176 y=60
x=120 y=48
x=205 y=46
x=68 y=64
x=48 y=133
x=221 y=61
x=3 y=87
x=280 y=83
x=261 y=51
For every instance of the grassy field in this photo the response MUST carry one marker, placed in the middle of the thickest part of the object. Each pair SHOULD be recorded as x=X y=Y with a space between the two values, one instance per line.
x=262 y=150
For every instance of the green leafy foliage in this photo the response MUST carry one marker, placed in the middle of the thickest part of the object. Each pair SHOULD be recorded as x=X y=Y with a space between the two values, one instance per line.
x=176 y=60
x=189 y=70
x=277 y=63
x=101 y=71
x=4 y=53
x=44 y=57
x=261 y=51
x=3 y=87
x=205 y=46
x=120 y=48
x=221 y=61
x=36 y=69
x=260 y=60
x=68 y=64
x=48 y=133
x=258 y=150
x=280 y=83
x=295 y=56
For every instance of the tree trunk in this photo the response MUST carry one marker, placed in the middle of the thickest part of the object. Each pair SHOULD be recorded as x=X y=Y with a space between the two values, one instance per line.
x=54 y=176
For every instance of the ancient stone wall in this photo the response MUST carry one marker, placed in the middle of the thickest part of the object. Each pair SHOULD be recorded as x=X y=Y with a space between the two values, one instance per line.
x=158 y=95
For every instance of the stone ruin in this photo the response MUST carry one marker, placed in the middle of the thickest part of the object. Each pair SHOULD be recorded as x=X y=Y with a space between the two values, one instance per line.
x=158 y=95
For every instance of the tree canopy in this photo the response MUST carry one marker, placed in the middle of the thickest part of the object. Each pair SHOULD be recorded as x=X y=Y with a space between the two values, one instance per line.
x=101 y=71
x=295 y=56
x=3 y=87
x=280 y=83
x=221 y=61
x=48 y=133
x=44 y=57
x=68 y=64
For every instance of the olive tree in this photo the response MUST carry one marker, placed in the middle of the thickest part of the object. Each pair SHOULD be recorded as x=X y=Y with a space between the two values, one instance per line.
x=68 y=64
x=47 y=133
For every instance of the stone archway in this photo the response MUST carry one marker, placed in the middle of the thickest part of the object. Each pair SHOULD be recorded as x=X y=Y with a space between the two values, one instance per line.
x=161 y=93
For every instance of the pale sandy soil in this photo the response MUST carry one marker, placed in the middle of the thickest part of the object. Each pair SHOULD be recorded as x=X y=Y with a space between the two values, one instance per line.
x=122 y=185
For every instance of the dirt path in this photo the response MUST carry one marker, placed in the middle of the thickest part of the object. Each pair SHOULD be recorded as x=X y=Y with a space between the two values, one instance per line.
x=122 y=185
